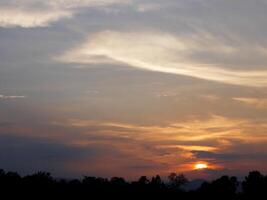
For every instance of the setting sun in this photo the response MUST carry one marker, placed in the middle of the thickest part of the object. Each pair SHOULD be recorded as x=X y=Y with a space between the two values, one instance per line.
x=201 y=166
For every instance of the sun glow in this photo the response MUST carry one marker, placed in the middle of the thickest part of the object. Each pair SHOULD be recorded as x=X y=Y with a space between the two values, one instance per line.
x=200 y=166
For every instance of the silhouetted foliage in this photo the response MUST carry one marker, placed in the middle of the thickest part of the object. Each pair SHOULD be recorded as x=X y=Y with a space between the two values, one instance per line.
x=255 y=185
x=156 y=182
x=143 y=180
x=222 y=188
x=42 y=185
x=176 y=181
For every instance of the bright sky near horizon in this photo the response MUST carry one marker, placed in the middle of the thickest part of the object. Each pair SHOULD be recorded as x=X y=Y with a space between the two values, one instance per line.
x=133 y=87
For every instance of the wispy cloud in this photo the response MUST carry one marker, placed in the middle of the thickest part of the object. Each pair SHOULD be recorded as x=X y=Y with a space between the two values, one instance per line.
x=11 y=97
x=147 y=7
x=175 y=146
x=180 y=144
x=168 y=53
x=17 y=17
x=210 y=97
x=186 y=134
x=214 y=124
x=37 y=13
x=256 y=102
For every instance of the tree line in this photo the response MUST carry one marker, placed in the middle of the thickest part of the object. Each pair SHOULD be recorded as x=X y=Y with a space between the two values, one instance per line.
x=42 y=185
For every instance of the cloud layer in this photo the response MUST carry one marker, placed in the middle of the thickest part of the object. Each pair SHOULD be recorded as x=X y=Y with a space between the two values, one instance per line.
x=133 y=87
x=168 y=53
x=255 y=102
x=219 y=141
x=37 y=13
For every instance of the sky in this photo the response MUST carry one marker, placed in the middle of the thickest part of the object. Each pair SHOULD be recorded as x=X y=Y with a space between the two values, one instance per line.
x=133 y=87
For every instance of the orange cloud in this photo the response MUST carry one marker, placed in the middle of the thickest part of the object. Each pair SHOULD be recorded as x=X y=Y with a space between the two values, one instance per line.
x=255 y=102
x=172 y=145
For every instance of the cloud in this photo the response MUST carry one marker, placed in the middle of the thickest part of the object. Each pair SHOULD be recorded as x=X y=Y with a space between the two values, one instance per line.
x=37 y=13
x=13 y=17
x=11 y=97
x=27 y=154
x=192 y=130
x=148 y=7
x=178 y=144
x=238 y=156
x=168 y=53
x=256 y=102
x=210 y=97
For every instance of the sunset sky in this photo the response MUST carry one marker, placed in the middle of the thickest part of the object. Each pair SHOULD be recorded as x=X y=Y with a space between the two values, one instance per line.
x=133 y=87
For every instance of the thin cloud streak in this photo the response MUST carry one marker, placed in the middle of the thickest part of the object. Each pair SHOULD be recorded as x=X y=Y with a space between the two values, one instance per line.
x=215 y=128
x=37 y=13
x=12 y=97
x=255 y=102
x=175 y=144
x=164 y=52
x=17 y=17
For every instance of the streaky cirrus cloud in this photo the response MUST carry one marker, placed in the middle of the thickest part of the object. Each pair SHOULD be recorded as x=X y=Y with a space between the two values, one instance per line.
x=191 y=130
x=256 y=102
x=177 y=144
x=12 y=96
x=170 y=53
x=37 y=13
x=13 y=17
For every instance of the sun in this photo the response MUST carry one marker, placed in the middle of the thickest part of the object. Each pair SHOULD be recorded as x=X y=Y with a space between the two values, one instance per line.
x=201 y=166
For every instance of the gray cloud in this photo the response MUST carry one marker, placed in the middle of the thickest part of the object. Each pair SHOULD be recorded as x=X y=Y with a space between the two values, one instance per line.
x=27 y=155
x=199 y=41
x=226 y=157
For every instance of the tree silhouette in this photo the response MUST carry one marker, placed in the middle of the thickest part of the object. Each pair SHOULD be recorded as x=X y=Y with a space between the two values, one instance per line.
x=254 y=185
x=176 y=181
x=143 y=180
x=156 y=182
x=42 y=185
x=222 y=188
